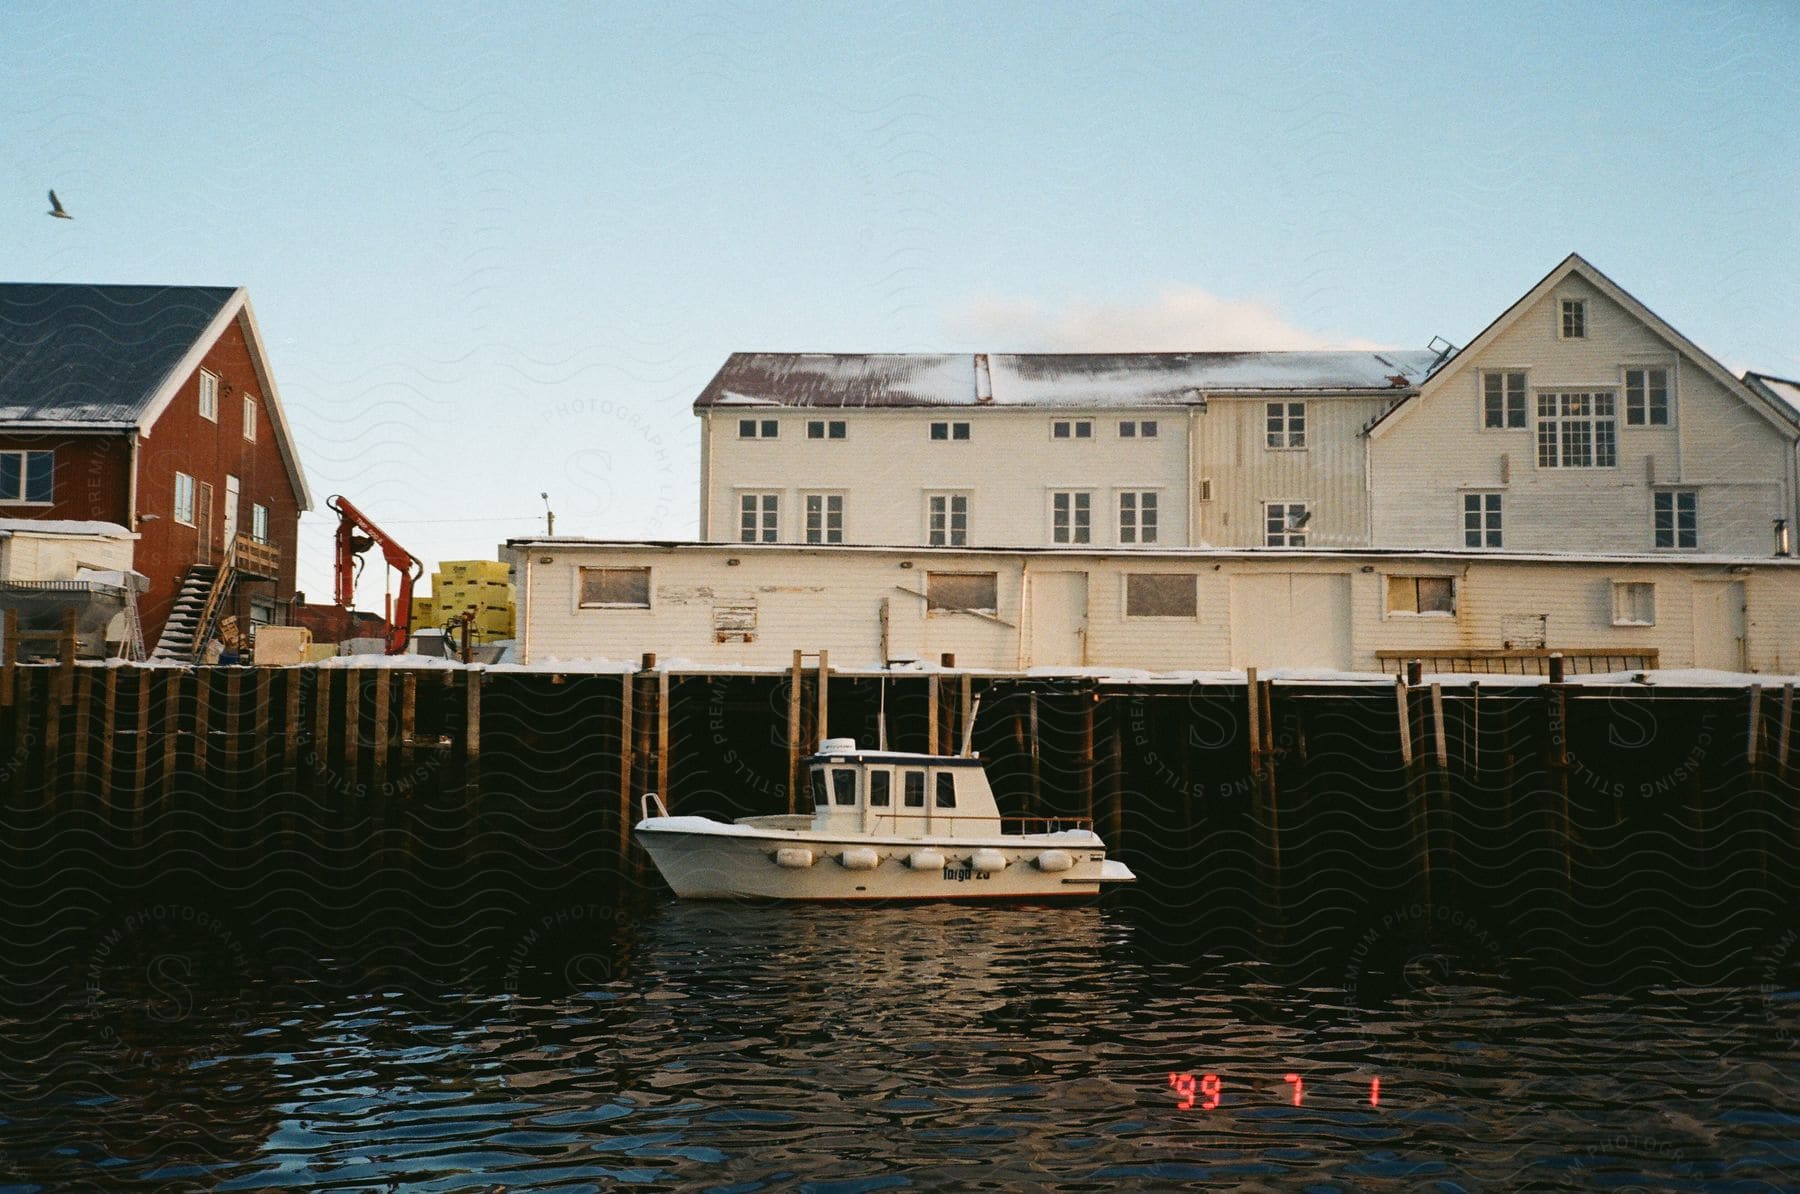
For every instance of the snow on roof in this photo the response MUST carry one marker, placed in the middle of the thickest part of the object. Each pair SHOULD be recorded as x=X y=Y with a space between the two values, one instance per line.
x=62 y=526
x=1077 y=380
x=1781 y=389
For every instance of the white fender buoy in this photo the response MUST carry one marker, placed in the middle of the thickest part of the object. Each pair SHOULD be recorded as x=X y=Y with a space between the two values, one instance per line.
x=1054 y=860
x=925 y=860
x=987 y=861
x=794 y=857
x=859 y=858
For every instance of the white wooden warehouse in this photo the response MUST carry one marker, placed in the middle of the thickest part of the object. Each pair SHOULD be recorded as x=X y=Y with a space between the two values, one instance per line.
x=752 y=605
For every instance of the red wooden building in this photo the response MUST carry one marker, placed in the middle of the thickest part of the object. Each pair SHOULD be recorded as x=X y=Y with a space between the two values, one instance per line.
x=155 y=407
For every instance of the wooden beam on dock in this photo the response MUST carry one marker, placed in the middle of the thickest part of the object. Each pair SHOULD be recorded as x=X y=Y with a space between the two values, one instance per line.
x=796 y=677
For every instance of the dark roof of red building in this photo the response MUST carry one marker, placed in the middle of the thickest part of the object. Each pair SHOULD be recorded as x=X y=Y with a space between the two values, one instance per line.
x=95 y=355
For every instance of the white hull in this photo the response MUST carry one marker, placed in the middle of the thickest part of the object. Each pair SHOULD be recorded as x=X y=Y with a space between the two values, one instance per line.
x=706 y=859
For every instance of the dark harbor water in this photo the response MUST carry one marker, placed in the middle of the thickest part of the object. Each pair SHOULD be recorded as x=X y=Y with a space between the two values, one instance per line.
x=735 y=1047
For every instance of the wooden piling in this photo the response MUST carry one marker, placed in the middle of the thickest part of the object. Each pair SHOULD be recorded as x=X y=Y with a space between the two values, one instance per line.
x=379 y=746
x=353 y=725
x=1037 y=776
x=931 y=713
x=796 y=677
x=1787 y=722
x=233 y=719
x=1753 y=733
x=69 y=641
x=472 y=736
x=1087 y=756
x=82 y=740
x=627 y=685
x=964 y=703
x=1403 y=713
x=409 y=720
x=140 y=757
x=171 y=730
x=824 y=695
x=662 y=736
x=109 y=717
x=53 y=711
x=202 y=701
x=321 y=734
x=262 y=704
x=1253 y=697
x=1439 y=738
x=290 y=727
x=9 y=653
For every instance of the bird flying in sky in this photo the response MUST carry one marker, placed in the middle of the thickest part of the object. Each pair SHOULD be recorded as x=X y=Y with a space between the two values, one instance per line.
x=56 y=208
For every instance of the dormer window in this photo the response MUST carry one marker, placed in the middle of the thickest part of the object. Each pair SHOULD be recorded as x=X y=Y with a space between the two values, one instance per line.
x=1574 y=319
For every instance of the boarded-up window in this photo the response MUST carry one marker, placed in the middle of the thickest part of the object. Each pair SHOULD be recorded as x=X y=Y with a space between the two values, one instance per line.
x=976 y=591
x=1634 y=603
x=1421 y=595
x=603 y=588
x=1160 y=595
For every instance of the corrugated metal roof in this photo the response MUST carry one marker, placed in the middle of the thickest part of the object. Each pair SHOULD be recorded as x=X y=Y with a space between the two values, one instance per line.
x=1130 y=379
x=88 y=354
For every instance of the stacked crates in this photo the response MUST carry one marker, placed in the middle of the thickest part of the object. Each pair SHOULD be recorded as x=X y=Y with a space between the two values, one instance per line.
x=458 y=585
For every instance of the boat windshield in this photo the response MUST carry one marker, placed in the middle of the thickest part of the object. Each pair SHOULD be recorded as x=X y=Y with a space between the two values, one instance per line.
x=821 y=792
x=843 y=782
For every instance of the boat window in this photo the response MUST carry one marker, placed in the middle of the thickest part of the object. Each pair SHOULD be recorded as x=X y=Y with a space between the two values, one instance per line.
x=843 y=782
x=879 y=783
x=915 y=789
x=821 y=793
x=946 y=789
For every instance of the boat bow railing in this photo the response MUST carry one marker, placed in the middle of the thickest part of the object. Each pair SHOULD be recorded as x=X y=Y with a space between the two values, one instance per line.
x=1030 y=825
x=652 y=801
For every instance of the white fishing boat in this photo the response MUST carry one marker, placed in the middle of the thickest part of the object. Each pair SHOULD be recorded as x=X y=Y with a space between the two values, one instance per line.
x=885 y=825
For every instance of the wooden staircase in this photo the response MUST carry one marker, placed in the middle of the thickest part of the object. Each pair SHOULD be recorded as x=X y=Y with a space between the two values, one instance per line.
x=195 y=616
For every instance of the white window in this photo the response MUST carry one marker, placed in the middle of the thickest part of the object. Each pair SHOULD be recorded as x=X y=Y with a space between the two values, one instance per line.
x=759 y=517
x=1646 y=397
x=615 y=588
x=1577 y=430
x=1137 y=429
x=249 y=417
x=971 y=592
x=1072 y=516
x=1286 y=424
x=1421 y=596
x=825 y=429
x=1481 y=520
x=824 y=518
x=1160 y=595
x=1676 y=518
x=27 y=477
x=1072 y=429
x=184 y=499
x=947 y=519
x=1137 y=516
x=758 y=429
x=209 y=396
x=1634 y=603
x=1284 y=524
x=948 y=431
x=259 y=522
x=1503 y=400
x=1574 y=320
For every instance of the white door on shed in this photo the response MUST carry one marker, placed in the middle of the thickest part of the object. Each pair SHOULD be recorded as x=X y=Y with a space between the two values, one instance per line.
x=1719 y=625
x=1059 y=602
x=1290 y=619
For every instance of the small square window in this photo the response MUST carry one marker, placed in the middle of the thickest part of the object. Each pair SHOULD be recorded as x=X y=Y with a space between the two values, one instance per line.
x=1421 y=595
x=1574 y=319
x=1634 y=603
x=959 y=431
x=603 y=588
x=1128 y=429
x=815 y=429
x=1147 y=429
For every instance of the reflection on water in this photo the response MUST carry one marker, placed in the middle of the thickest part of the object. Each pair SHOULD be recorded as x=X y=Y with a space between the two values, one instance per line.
x=750 y=1047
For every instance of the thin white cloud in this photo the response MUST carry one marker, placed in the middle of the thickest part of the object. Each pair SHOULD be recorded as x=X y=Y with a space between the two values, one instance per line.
x=1181 y=318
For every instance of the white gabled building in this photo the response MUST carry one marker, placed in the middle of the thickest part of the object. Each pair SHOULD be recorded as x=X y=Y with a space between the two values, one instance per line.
x=1577 y=422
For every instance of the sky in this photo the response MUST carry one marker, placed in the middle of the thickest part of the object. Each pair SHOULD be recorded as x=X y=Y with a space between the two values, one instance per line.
x=496 y=251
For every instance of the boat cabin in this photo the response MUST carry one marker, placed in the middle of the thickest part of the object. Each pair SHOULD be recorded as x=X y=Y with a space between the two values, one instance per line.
x=890 y=793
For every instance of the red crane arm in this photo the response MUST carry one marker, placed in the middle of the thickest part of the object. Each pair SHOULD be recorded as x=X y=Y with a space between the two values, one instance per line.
x=350 y=544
